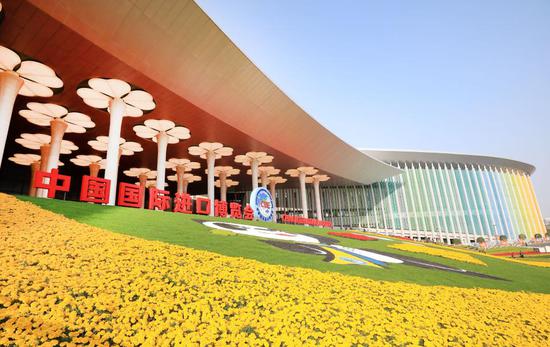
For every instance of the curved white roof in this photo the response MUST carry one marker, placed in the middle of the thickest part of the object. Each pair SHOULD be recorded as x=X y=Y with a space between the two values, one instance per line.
x=389 y=156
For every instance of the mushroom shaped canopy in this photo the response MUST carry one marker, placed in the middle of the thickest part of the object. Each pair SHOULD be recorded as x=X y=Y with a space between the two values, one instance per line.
x=269 y=170
x=138 y=171
x=187 y=164
x=308 y=170
x=228 y=170
x=152 y=127
x=228 y=183
x=277 y=179
x=98 y=93
x=190 y=178
x=127 y=147
x=318 y=178
x=214 y=147
x=43 y=113
x=27 y=159
x=246 y=159
x=86 y=160
x=35 y=141
x=38 y=79
x=151 y=184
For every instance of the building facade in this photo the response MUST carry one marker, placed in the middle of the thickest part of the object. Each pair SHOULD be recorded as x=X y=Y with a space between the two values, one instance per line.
x=438 y=198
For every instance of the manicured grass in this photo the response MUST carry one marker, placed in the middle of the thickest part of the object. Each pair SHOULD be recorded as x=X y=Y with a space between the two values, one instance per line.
x=180 y=229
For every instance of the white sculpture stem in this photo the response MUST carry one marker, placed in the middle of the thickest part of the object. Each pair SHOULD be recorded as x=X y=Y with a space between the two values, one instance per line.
x=184 y=185
x=317 y=199
x=44 y=153
x=223 y=186
x=180 y=171
x=303 y=193
x=10 y=83
x=272 y=185
x=35 y=166
x=117 y=109
x=254 y=171
x=142 y=186
x=210 y=161
x=94 y=169
x=57 y=127
x=162 y=145
x=263 y=176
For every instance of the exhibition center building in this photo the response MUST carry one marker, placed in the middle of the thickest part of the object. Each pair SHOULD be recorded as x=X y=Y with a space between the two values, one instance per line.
x=154 y=94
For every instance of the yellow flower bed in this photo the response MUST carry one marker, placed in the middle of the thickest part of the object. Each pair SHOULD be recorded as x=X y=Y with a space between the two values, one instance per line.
x=409 y=247
x=66 y=283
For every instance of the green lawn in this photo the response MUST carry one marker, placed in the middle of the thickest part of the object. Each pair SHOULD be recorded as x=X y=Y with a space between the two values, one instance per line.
x=180 y=229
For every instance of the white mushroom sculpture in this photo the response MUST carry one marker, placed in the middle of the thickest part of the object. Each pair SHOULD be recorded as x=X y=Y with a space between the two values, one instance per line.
x=316 y=179
x=273 y=181
x=101 y=143
x=144 y=175
x=93 y=162
x=228 y=183
x=223 y=172
x=42 y=143
x=120 y=99
x=150 y=184
x=163 y=132
x=210 y=151
x=301 y=173
x=60 y=121
x=264 y=172
x=23 y=76
x=32 y=160
x=184 y=180
x=254 y=159
x=181 y=166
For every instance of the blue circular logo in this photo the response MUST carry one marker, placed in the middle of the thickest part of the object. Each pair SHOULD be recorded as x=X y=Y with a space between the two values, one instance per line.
x=262 y=204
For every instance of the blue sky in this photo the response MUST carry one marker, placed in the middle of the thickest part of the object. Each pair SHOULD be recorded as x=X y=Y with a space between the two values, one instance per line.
x=461 y=76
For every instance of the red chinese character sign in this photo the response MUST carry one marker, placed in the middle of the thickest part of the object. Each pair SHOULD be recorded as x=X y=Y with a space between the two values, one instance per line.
x=49 y=181
x=183 y=203
x=95 y=189
x=130 y=195
x=159 y=199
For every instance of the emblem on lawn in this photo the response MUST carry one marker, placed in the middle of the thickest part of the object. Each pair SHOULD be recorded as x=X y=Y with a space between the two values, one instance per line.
x=261 y=202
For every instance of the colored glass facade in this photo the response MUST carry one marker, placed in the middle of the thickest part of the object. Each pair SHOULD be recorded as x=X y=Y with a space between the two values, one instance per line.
x=439 y=201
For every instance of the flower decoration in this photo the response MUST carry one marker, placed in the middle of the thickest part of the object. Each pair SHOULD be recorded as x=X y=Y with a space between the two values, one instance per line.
x=151 y=128
x=38 y=79
x=99 y=92
x=141 y=171
x=125 y=147
x=43 y=113
x=35 y=141
x=210 y=147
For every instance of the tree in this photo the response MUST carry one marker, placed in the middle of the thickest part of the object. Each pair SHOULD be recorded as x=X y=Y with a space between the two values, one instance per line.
x=538 y=236
x=480 y=240
x=522 y=238
x=503 y=238
x=455 y=242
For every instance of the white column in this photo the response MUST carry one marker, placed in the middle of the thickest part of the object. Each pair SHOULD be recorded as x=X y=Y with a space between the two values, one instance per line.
x=117 y=110
x=317 y=199
x=223 y=186
x=142 y=185
x=303 y=193
x=57 y=127
x=254 y=171
x=34 y=167
x=272 y=191
x=210 y=161
x=184 y=185
x=162 y=144
x=94 y=169
x=10 y=83
x=263 y=175
x=44 y=153
x=180 y=170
